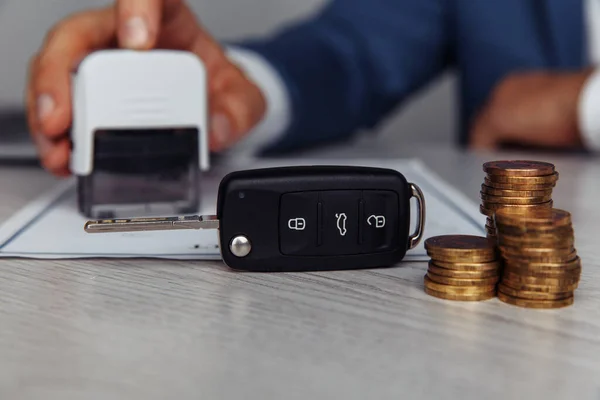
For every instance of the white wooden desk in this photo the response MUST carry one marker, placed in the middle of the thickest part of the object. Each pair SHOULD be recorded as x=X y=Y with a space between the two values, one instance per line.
x=149 y=329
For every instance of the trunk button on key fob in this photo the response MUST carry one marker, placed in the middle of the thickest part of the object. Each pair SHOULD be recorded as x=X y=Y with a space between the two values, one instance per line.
x=340 y=222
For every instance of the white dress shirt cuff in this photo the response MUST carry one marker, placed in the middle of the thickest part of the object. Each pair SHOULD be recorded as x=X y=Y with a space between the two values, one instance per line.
x=278 y=108
x=589 y=112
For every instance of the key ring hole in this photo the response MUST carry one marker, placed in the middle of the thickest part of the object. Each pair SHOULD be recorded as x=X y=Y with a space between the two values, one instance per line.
x=418 y=214
x=413 y=214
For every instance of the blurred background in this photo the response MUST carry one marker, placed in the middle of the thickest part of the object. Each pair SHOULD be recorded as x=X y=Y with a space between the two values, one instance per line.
x=24 y=23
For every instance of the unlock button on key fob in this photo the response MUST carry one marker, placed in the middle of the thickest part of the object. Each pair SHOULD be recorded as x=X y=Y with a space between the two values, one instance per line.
x=380 y=220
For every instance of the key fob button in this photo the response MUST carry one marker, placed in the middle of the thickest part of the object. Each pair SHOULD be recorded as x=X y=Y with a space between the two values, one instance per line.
x=298 y=223
x=379 y=221
x=340 y=222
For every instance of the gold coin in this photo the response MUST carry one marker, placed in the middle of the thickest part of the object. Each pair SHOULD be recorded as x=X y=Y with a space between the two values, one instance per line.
x=437 y=257
x=539 y=259
x=537 y=232
x=539 y=288
x=536 y=241
x=545 y=266
x=527 y=303
x=536 y=217
x=498 y=206
x=453 y=273
x=489 y=213
x=489 y=199
x=515 y=193
x=512 y=186
x=461 y=297
x=490 y=222
x=544 y=259
x=445 y=280
x=453 y=289
x=525 y=180
x=574 y=274
x=491 y=209
x=486 y=212
x=518 y=168
x=522 y=294
x=460 y=245
x=461 y=248
x=483 y=266
x=534 y=280
x=536 y=252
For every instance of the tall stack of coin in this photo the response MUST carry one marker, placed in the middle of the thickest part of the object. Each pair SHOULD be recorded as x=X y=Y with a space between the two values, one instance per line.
x=462 y=267
x=541 y=265
x=516 y=184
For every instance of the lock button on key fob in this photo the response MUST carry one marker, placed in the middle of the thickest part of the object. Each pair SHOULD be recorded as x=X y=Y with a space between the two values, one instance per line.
x=299 y=214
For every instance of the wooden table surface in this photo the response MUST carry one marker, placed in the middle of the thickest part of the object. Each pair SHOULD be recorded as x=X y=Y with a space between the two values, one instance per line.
x=152 y=329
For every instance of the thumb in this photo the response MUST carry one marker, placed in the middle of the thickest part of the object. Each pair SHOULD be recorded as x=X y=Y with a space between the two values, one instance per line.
x=235 y=110
x=139 y=22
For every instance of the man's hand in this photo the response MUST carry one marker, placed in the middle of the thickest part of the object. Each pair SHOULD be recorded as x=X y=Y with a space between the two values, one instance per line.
x=236 y=105
x=533 y=109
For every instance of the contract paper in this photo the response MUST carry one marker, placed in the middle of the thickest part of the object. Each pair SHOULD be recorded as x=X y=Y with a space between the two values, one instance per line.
x=50 y=227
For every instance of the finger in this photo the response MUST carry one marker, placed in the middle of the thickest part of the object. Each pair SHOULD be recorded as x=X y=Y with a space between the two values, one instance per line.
x=58 y=160
x=182 y=31
x=54 y=154
x=49 y=87
x=234 y=113
x=48 y=108
x=210 y=52
x=179 y=27
x=138 y=23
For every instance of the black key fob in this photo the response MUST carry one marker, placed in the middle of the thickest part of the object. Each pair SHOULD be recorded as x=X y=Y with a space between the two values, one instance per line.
x=314 y=218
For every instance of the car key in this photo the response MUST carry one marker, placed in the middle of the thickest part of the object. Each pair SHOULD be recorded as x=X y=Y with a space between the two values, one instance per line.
x=303 y=218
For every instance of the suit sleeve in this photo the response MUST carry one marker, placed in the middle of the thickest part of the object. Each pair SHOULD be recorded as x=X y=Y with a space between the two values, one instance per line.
x=351 y=64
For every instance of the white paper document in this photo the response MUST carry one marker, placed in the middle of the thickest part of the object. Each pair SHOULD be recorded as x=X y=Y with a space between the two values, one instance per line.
x=50 y=227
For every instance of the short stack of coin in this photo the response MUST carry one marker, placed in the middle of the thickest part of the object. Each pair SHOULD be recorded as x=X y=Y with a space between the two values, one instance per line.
x=541 y=265
x=516 y=184
x=462 y=267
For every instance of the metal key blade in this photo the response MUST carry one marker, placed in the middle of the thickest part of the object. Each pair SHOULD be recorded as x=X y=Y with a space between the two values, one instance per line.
x=152 y=224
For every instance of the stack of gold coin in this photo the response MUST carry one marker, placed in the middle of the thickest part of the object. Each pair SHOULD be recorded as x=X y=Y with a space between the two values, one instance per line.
x=541 y=265
x=515 y=184
x=462 y=267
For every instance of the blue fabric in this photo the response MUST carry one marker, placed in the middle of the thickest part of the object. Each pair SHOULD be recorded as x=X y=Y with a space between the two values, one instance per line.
x=356 y=61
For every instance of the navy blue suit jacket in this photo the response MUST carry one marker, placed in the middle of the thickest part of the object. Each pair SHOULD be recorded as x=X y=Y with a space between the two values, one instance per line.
x=355 y=61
